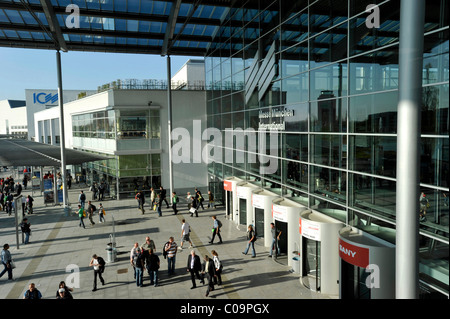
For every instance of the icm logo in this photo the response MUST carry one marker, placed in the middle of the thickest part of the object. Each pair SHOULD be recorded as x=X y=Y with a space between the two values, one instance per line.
x=44 y=98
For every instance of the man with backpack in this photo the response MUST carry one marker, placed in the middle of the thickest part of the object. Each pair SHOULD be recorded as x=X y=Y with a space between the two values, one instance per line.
x=82 y=199
x=91 y=210
x=216 y=230
x=99 y=267
x=81 y=215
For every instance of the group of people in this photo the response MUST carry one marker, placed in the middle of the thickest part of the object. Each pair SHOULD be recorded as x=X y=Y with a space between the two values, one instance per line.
x=90 y=211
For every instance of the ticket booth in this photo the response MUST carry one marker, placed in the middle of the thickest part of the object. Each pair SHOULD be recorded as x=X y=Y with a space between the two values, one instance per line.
x=244 y=197
x=286 y=214
x=367 y=266
x=262 y=213
x=319 y=252
x=231 y=205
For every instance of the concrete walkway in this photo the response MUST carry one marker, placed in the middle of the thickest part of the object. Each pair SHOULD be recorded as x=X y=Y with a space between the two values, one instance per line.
x=60 y=250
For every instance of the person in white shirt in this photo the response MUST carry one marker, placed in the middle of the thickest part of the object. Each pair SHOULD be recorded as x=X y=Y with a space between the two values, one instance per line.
x=185 y=232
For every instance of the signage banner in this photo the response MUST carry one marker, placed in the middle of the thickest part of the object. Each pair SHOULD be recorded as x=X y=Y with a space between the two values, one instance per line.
x=258 y=201
x=310 y=229
x=279 y=213
x=228 y=186
x=241 y=192
x=354 y=255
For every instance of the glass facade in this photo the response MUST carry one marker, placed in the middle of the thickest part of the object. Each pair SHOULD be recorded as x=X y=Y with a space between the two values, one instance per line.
x=328 y=84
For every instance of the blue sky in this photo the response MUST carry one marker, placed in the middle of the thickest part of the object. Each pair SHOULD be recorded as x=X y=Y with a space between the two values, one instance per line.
x=22 y=69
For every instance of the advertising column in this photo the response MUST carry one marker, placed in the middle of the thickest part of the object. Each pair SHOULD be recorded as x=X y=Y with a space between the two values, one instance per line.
x=367 y=266
x=286 y=214
x=319 y=252
x=244 y=195
x=262 y=213
x=229 y=185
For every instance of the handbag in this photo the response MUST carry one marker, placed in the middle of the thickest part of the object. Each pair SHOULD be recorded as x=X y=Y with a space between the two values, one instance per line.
x=192 y=210
x=12 y=264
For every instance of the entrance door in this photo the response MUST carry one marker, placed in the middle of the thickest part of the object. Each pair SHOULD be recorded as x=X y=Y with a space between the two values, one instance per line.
x=242 y=211
x=311 y=264
x=217 y=190
x=229 y=204
x=282 y=243
x=259 y=222
x=353 y=282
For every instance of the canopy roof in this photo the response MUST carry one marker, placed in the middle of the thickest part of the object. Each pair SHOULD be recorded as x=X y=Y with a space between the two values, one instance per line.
x=20 y=152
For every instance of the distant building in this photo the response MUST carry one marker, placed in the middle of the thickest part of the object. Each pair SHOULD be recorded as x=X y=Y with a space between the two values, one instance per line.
x=13 y=118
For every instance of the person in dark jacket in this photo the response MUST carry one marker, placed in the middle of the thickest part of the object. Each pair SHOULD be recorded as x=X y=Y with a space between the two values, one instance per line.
x=194 y=266
x=209 y=271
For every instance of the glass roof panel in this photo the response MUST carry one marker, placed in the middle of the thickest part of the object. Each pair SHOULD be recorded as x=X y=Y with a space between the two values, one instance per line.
x=132 y=6
x=11 y=34
x=162 y=8
x=144 y=26
x=93 y=4
x=121 y=25
x=37 y=35
x=132 y=25
x=3 y=17
x=24 y=34
x=107 y=5
x=14 y=16
x=28 y=18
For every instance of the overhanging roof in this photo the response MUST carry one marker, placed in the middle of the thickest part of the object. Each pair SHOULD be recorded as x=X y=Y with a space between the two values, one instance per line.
x=19 y=152
x=125 y=26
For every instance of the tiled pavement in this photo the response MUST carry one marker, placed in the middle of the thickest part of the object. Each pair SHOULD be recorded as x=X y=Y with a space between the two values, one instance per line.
x=57 y=242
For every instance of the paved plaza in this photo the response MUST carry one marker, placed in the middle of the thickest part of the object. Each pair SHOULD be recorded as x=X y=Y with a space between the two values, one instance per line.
x=58 y=246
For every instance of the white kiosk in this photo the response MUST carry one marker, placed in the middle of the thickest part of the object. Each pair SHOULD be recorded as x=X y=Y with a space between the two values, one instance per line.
x=244 y=198
x=367 y=266
x=262 y=213
x=286 y=214
x=319 y=252
x=231 y=202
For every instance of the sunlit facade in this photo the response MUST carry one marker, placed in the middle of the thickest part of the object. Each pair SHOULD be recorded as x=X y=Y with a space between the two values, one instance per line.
x=336 y=79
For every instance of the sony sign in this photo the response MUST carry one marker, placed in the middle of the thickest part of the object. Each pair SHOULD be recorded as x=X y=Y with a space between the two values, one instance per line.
x=44 y=98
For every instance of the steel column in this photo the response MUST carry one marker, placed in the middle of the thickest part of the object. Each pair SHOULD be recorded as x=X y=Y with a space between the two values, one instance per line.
x=169 y=124
x=408 y=148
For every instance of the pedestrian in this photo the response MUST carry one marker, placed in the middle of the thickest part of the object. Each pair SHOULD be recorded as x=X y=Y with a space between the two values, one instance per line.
x=98 y=263
x=216 y=230
x=175 y=201
x=133 y=255
x=29 y=205
x=32 y=292
x=67 y=290
x=93 y=189
x=189 y=200
x=101 y=213
x=199 y=198
x=158 y=203
x=171 y=249
x=26 y=230
x=218 y=268
x=101 y=191
x=24 y=203
x=81 y=215
x=193 y=210
x=163 y=195
x=91 y=210
x=153 y=263
x=149 y=244
x=211 y=200
x=141 y=201
x=424 y=205
x=185 y=234
x=62 y=294
x=6 y=262
x=275 y=238
x=152 y=196
x=138 y=264
x=251 y=237
x=82 y=198
x=208 y=270
x=194 y=267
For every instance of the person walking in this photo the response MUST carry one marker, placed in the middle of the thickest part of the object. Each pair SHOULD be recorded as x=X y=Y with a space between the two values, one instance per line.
x=82 y=199
x=153 y=263
x=141 y=201
x=211 y=200
x=175 y=201
x=199 y=198
x=133 y=254
x=158 y=203
x=171 y=249
x=193 y=210
x=149 y=244
x=91 y=209
x=68 y=291
x=101 y=213
x=216 y=230
x=98 y=263
x=26 y=230
x=81 y=215
x=218 y=268
x=208 y=270
x=275 y=238
x=152 y=196
x=163 y=195
x=194 y=267
x=32 y=292
x=185 y=234
x=138 y=264
x=251 y=238
x=6 y=262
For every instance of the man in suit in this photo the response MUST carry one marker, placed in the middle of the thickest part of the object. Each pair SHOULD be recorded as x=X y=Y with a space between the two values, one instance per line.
x=194 y=266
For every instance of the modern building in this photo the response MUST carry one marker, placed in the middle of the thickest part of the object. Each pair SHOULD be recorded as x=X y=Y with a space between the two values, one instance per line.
x=13 y=122
x=323 y=78
x=130 y=127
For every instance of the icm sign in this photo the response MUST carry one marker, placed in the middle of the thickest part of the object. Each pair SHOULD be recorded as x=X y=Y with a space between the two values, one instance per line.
x=44 y=98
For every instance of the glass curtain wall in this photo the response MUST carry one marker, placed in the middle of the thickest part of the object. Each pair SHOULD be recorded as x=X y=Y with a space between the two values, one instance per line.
x=327 y=83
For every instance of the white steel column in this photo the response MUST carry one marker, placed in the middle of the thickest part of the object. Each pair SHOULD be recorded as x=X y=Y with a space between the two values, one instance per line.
x=169 y=124
x=408 y=148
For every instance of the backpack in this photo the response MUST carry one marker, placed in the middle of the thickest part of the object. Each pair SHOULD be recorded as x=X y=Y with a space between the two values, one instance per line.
x=93 y=208
x=83 y=197
x=219 y=223
x=101 y=263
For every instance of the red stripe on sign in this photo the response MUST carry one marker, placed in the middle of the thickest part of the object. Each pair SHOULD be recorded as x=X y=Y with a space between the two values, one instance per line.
x=357 y=256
